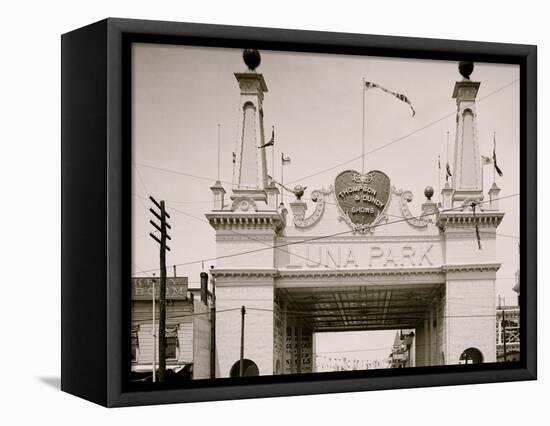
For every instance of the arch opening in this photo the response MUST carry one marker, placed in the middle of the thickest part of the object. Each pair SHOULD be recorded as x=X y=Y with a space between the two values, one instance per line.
x=471 y=356
x=250 y=369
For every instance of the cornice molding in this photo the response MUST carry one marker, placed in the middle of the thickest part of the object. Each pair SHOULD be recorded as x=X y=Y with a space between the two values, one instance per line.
x=251 y=273
x=240 y=220
x=468 y=219
x=471 y=267
x=353 y=273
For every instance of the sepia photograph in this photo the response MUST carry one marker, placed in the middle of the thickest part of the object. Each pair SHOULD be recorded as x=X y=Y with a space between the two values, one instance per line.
x=298 y=213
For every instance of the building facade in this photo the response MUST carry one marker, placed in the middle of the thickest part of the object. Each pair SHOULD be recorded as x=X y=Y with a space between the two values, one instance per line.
x=187 y=330
x=403 y=350
x=432 y=271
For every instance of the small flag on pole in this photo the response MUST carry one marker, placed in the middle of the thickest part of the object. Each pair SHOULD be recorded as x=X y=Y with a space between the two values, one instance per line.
x=271 y=141
x=495 y=156
x=447 y=171
x=284 y=160
x=402 y=98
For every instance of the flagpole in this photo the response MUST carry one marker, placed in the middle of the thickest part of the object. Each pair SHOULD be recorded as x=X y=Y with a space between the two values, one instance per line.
x=447 y=162
x=273 y=154
x=363 y=127
x=282 y=180
x=482 y=178
x=218 y=151
x=439 y=177
x=494 y=156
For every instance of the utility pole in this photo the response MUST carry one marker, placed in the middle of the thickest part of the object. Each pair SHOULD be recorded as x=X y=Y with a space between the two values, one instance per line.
x=241 y=366
x=154 y=333
x=162 y=228
x=212 y=327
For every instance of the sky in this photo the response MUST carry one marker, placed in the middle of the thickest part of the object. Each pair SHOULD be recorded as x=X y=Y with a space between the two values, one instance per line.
x=181 y=93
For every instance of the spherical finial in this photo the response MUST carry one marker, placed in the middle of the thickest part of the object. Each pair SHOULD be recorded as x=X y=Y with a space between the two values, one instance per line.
x=429 y=192
x=252 y=58
x=465 y=68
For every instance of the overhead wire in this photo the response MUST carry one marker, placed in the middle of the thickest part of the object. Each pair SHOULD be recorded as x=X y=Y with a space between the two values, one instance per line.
x=404 y=136
x=317 y=238
x=480 y=99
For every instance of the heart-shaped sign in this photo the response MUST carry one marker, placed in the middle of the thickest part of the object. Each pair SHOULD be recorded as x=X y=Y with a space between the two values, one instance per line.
x=362 y=198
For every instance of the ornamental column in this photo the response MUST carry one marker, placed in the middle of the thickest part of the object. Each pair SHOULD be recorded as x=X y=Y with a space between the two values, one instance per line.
x=246 y=230
x=466 y=179
x=469 y=236
x=250 y=169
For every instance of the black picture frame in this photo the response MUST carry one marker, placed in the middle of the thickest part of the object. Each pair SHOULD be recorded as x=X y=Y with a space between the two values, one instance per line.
x=96 y=203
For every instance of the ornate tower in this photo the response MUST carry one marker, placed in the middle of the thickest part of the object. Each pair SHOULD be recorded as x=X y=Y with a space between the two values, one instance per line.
x=467 y=182
x=250 y=169
x=246 y=233
x=469 y=230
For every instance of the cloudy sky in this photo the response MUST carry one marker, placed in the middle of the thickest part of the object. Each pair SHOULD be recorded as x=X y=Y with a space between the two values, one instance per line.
x=181 y=94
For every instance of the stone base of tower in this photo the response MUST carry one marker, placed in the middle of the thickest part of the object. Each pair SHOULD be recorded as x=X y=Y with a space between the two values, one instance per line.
x=258 y=299
x=470 y=317
x=459 y=325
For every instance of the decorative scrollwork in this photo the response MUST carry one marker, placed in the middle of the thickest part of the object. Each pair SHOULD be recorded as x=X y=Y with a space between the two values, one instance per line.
x=363 y=178
x=405 y=197
x=244 y=204
x=361 y=228
x=319 y=197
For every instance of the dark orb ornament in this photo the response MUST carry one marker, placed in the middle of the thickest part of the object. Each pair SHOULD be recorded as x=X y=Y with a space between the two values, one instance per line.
x=465 y=68
x=252 y=58
x=299 y=191
x=429 y=192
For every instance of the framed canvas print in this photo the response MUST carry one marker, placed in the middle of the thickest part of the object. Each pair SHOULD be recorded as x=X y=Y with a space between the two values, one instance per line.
x=252 y=212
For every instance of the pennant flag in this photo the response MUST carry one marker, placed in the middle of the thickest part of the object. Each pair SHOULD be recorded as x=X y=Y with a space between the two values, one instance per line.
x=271 y=141
x=495 y=156
x=448 y=172
x=284 y=160
x=402 y=98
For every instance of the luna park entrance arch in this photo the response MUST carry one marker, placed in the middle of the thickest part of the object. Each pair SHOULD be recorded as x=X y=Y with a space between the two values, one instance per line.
x=309 y=303
x=361 y=260
x=385 y=281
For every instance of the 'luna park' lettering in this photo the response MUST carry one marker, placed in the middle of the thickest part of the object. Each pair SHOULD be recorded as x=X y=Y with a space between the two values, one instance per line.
x=391 y=256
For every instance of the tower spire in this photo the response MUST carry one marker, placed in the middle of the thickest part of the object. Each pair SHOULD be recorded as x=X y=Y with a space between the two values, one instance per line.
x=466 y=180
x=250 y=168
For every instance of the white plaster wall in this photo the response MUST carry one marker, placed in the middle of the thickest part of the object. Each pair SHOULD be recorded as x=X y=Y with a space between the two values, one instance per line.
x=470 y=311
x=258 y=324
x=258 y=242
x=461 y=246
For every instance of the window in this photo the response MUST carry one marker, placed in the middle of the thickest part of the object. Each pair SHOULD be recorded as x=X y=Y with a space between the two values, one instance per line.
x=135 y=343
x=172 y=343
